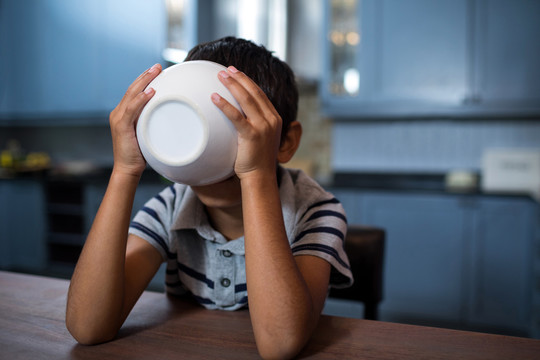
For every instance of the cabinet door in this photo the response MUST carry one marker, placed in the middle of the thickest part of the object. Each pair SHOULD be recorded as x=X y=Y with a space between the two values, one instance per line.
x=69 y=57
x=5 y=258
x=426 y=58
x=22 y=238
x=502 y=273
x=426 y=255
x=55 y=54
x=507 y=71
x=412 y=55
x=422 y=50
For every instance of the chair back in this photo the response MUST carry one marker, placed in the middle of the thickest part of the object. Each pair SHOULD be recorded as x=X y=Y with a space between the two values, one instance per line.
x=365 y=248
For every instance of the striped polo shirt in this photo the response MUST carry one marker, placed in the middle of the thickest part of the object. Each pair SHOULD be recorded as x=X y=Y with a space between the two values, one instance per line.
x=202 y=262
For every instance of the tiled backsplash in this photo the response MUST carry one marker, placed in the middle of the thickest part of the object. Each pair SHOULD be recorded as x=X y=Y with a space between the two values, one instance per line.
x=432 y=146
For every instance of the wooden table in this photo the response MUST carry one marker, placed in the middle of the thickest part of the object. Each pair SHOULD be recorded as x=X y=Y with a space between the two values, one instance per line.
x=160 y=327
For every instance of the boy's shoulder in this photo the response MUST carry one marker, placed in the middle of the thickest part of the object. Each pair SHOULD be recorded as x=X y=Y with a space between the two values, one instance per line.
x=301 y=181
x=307 y=206
x=297 y=185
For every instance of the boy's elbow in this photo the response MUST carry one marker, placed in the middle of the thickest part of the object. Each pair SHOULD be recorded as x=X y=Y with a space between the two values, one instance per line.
x=86 y=335
x=89 y=338
x=278 y=353
x=282 y=347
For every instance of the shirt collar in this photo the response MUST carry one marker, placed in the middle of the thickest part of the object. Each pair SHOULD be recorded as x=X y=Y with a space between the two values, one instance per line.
x=192 y=216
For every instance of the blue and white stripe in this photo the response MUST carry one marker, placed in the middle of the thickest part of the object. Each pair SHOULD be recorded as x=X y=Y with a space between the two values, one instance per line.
x=202 y=262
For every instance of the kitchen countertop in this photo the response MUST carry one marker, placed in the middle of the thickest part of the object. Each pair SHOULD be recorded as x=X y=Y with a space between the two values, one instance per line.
x=411 y=182
x=60 y=174
x=394 y=181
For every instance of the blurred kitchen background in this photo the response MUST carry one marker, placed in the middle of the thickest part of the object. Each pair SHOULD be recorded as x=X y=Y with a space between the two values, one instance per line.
x=422 y=116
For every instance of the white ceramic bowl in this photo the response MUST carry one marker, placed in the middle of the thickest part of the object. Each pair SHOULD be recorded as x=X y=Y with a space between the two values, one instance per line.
x=182 y=135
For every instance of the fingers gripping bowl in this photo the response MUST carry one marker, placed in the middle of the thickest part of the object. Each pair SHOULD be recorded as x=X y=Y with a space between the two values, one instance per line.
x=182 y=135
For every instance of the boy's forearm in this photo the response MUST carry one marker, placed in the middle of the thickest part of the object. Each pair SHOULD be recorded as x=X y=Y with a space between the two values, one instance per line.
x=96 y=294
x=280 y=304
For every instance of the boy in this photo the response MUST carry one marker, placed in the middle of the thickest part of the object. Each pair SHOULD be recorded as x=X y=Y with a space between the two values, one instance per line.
x=268 y=232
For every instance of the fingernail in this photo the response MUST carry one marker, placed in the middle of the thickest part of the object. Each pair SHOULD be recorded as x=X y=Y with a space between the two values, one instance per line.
x=153 y=68
x=216 y=98
x=233 y=69
x=223 y=74
x=149 y=90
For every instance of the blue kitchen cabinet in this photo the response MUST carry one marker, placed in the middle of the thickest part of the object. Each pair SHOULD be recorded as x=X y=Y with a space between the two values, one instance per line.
x=4 y=211
x=501 y=278
x=23 y=225
x=459 y=260
x=427 y=255
x=5 y=245
x=423 y=58
x=505 y=69
x=75 y=58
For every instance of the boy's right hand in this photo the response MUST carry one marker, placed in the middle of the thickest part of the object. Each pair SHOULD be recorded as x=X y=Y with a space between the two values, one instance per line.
x=123 y=119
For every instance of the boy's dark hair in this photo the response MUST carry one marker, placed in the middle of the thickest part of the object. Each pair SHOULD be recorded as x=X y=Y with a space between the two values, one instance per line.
x=272 y=75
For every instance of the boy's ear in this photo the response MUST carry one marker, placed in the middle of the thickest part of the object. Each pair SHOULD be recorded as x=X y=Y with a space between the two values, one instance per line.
x=290 y=142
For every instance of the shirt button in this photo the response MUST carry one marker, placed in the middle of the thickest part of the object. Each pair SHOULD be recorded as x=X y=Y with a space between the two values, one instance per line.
x=225 y=282
x=226 y=253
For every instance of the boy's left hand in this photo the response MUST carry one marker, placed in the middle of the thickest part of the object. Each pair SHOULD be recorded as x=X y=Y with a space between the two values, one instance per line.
x=259 y=130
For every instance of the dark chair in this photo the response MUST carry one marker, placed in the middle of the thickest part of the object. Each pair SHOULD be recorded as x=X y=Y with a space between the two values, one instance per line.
x=365 y=249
